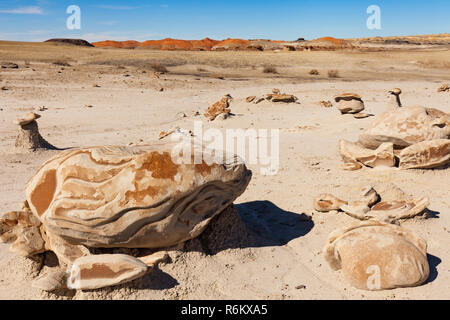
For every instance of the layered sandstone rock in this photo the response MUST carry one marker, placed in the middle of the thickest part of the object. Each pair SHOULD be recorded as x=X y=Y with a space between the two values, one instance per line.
x=139 y=197
x=406 y=126
x=426 y=154
x=378 y=256
x=355 y=153
x=328 y=202
x=99 y=271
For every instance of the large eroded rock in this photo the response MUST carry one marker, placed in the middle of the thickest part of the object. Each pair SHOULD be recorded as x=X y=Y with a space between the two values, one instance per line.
x=406 y=126
x=426 y=154
x=377 y=256
x=137 y=197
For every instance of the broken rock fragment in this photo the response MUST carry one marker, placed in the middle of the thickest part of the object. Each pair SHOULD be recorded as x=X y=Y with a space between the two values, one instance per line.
x=426 y=154
x=355 y=153
x=100 y=271
x=328 y=202
x=218 y=108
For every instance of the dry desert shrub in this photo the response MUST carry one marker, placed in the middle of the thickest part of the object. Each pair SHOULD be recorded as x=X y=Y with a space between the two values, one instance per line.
x=158 y=67
x=269 y=69
x=435 y=64
x=62 y=63
x=314 y=72
x=333 y=73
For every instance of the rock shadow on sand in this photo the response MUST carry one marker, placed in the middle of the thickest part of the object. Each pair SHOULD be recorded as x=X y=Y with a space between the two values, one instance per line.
x=251 y=225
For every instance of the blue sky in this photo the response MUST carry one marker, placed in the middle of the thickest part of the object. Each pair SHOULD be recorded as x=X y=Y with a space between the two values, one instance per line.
x=37 y=20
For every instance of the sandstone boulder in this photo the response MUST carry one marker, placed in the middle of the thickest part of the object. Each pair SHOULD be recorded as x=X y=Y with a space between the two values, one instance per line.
x=140 y=197
x=426 y=154
x=349 y=103
x=100 y=271
x=406 y=126
x=355 y=153
x=378 y=256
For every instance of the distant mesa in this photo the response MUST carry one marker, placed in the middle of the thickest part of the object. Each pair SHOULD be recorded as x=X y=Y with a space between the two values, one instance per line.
x=207 y=44
x=76 y=42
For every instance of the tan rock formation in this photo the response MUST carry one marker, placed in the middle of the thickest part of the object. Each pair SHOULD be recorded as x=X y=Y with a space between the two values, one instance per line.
x=220 y=107
x=445 y=87
x=99 y=271
x=28 y=137
x=406 y=126
x=328 y=202
x=426 y=154
x=349 y=103
x=353 y=152
x=132 y=197
x=378 y=256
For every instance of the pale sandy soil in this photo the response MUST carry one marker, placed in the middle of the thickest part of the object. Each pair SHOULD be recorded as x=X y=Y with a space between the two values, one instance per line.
x=287 y=251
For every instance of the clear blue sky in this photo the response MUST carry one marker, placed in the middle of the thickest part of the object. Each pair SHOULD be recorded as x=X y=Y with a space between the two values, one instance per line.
x=37 y=20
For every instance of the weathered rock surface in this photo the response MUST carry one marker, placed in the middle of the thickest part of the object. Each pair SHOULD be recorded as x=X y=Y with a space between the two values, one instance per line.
x=444 y=87
x=349 y=103
x=137 y=197
x=328 y=202
x=218 y=108
x=355 y=153
x=406 y=126
x=287 y=98
x=22 y=230
x=390 y=211
x=426 y=154
x=100 y=271
x=378 y=256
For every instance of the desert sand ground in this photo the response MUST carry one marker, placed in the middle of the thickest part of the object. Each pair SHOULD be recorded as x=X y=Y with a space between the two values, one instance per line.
x=284 y=260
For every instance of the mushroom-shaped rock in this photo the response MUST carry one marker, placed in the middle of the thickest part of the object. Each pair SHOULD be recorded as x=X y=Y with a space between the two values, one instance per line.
x=28 y=137
x=349 y=103
x=394 y=98
x=328 y=202
x=426 y=154
x=100 y=271
x=220 y=107
x=378 y=256
x=149 y=196
x=27 y=119
x=406 y=126
x=355 y=153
